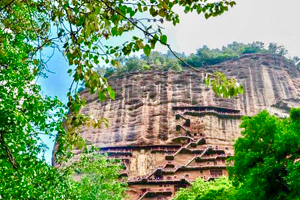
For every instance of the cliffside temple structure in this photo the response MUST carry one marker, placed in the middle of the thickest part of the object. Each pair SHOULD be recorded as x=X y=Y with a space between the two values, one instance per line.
x=176 y=164
x=168 y=128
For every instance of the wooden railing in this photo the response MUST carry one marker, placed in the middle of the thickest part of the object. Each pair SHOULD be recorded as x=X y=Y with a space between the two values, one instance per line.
x=213 y=112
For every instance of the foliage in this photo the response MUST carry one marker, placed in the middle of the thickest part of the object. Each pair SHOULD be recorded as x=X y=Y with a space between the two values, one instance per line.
x=37 y=180
x=34 y=179
x=266 y=160
x=222 y=86
x=98 y=178
x=203 y=57
x=296 y=62
x=155 y=60
x=80 y=30
x=25 y=115
x=206 y=56
x=221 y=189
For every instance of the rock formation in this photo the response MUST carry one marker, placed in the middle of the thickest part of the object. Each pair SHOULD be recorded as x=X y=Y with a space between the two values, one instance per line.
x=169 y=128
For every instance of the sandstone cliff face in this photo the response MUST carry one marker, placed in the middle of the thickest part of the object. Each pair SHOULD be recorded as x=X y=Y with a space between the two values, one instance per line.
x=168 y=128
x=142 y=113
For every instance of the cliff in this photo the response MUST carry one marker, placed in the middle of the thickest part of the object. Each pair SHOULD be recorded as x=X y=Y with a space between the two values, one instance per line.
x=168 y=128
x=143 y=110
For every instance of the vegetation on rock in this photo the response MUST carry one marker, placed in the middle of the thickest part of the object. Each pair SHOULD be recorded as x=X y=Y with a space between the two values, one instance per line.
x=202 y=59
x=204 y=56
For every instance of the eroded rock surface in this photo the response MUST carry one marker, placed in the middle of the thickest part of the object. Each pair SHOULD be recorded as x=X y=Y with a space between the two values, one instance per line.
x=142 y=112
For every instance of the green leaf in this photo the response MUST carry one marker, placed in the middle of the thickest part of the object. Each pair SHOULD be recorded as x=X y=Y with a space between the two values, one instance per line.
x=146 y=67
x=207 y=15
x=140 y=44
x=161 y=13
x=232 y=3
x=35 y=61
x=114 y=30
x=153 y=42
x=102 y=96
x=111 y=93
x=207 y=81
x=163 y=39
x=147 y=49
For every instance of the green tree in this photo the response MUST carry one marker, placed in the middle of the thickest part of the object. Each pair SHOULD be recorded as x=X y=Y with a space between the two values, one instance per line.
x=204 y=56
x=172 y=63
x=155 y=60
x=275 y=49
x=25 y=115
x=207 y=56
x=220 y=189
x=255 y=47
x=296 y=61
x=132 y=64
x=80 y=29
x=266 y=160
x=98 y=178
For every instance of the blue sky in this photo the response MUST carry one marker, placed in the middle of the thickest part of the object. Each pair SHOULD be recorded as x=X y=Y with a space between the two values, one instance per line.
x=256 y=20
x=56 y=84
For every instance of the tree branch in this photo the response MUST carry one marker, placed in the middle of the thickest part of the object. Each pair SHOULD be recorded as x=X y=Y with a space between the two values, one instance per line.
x=7 y=5
x=8 y=152
x=147 y=33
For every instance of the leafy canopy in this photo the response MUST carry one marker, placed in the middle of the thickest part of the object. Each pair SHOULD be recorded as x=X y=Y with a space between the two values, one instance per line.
x=220 y=189
x=98 y=178
x=155 y=60
x=25 y=115
x=266 y=160
x=204 y=56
